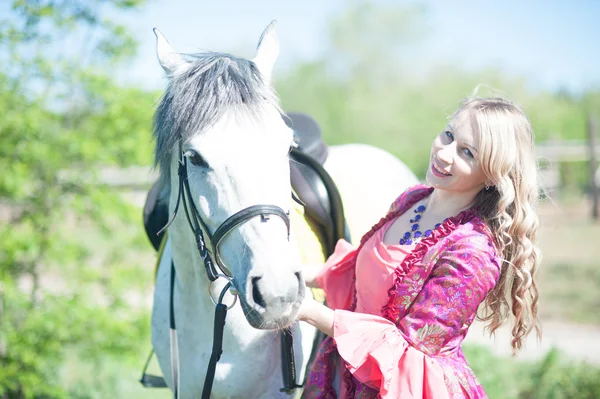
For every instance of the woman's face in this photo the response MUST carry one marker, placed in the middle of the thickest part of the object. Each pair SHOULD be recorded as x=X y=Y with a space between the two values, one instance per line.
x=454 y=165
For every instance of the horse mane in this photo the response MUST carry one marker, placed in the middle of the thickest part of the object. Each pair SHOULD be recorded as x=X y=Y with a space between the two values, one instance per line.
x=197 y=98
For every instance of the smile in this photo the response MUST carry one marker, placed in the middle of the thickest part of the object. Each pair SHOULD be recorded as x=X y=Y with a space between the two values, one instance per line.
x=437 y=172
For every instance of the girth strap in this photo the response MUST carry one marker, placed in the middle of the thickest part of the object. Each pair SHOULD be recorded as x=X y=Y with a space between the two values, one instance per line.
x=173 y=337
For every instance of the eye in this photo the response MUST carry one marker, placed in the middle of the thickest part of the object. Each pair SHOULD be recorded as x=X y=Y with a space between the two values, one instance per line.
x=196 y=159
x=449 y=135
x=292 y=146
x=468 y=153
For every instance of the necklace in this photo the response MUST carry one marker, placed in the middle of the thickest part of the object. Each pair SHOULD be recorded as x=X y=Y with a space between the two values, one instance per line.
x=414 y=234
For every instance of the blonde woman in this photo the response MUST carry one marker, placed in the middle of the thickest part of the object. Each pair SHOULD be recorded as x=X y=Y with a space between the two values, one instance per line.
x=401 y=304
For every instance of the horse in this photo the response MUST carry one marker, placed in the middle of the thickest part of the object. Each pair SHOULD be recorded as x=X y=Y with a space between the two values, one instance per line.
x=222 y=149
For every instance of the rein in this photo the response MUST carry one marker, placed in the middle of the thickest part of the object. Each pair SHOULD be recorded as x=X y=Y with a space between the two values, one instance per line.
x=203 y=236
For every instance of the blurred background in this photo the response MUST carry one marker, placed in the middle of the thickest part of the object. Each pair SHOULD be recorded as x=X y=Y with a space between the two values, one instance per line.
x=78 y=86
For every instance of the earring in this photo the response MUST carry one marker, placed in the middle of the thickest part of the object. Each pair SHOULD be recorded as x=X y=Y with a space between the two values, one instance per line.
x=487 y=188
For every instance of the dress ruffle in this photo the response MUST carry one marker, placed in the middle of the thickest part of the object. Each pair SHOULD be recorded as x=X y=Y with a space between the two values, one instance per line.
x=390 y=311
x=377 y=355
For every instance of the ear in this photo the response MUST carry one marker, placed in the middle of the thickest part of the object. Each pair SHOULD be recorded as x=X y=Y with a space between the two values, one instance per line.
x=267 y=51
x=169 y=59
x=489 y=185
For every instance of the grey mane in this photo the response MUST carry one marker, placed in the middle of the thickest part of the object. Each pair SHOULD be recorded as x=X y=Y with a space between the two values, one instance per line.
x=194 y=100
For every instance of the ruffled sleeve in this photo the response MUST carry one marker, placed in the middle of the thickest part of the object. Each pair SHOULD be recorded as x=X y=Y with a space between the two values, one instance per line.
x=400 y=360
x=377 y=354
x=336 y=278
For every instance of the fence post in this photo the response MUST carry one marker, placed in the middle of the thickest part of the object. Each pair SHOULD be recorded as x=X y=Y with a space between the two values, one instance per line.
x=593 y=165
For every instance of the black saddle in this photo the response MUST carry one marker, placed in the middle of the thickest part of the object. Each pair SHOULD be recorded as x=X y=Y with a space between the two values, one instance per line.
x=310 y=182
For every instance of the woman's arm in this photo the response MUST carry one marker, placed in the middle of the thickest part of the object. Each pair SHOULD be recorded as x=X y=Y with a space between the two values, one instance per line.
x=317 y=315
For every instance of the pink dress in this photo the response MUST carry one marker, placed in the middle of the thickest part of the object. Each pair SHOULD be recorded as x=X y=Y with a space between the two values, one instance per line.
x=401 y=314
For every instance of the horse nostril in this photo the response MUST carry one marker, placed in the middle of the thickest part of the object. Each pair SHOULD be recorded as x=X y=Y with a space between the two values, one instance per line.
x=256 y=295
x=300 y=284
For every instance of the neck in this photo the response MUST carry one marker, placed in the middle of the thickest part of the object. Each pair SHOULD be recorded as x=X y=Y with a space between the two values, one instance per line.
x=444 y=204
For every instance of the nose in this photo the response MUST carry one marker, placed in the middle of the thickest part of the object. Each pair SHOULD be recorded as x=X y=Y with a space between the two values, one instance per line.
x=276 y=296
x=445 y=154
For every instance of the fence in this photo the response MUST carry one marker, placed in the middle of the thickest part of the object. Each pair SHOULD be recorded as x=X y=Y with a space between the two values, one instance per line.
x=554 y=152
x=135 y=181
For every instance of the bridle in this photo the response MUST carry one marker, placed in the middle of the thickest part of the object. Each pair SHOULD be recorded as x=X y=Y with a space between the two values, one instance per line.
x=216 y=269
x=201 y=231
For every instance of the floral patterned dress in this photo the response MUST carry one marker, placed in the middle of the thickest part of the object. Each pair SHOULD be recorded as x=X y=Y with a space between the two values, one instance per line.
x=400 y=315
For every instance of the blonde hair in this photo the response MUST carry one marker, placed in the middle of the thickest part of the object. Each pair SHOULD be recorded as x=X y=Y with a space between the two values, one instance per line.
x=507 y=205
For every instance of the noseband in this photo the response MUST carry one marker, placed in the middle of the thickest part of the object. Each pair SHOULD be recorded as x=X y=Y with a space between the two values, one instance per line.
x=203 y=236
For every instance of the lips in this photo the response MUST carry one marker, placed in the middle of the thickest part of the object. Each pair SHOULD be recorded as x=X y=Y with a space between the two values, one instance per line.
x=438 y=171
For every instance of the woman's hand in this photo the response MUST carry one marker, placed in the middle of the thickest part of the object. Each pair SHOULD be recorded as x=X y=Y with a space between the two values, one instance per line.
x=309 y=274
x=317 y=315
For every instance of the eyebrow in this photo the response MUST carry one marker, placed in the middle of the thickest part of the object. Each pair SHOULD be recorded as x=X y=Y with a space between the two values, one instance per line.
x=467 y=144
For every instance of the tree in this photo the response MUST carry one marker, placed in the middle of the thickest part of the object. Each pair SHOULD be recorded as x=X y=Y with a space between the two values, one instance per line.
x=373 y=85
x=65 y=280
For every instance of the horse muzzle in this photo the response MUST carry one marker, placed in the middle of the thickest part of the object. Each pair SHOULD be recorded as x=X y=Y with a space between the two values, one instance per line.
x=272 y=302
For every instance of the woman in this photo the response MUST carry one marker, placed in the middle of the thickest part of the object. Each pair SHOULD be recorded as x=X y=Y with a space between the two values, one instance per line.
x=401 y=304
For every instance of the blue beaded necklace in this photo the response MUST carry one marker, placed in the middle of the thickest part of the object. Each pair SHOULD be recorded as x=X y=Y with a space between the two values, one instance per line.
x=415 y=234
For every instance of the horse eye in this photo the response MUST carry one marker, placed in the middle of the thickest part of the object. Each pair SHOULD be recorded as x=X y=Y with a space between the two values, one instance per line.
x=196 y=159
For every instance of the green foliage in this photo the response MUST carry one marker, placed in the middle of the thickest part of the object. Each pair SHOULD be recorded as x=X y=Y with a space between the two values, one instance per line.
x=553 y=377
x=68 y=281
x=501 y=378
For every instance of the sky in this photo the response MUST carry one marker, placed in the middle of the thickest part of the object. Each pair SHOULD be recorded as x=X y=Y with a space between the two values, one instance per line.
x=554 y=44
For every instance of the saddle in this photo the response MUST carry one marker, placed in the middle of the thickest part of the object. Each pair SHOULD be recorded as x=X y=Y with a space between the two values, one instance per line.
x=311 y=184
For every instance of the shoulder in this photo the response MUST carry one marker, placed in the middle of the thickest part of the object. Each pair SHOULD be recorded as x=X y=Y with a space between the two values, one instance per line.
x=470 y=248
x=410 y=196
x=471 y=235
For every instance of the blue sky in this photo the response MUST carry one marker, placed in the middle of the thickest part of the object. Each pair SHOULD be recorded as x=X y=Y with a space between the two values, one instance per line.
x=554 y=44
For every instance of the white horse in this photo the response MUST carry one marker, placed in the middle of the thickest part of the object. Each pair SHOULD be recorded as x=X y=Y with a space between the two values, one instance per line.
x=221 y=113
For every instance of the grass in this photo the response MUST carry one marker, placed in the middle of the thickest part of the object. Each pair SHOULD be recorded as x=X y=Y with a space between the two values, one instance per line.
x=570 y=293
x=110 y=378
x=569 y=275
x=553 y=377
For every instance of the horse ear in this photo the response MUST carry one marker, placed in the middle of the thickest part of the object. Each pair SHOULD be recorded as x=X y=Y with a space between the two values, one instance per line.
x=267 y=51
x=169 y=59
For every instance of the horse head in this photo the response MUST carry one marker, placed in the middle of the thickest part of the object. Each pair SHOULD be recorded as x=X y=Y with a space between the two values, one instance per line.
x=220 y=118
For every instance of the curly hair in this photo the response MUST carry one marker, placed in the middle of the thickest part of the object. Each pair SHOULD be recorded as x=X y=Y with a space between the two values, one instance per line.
x=507 y=205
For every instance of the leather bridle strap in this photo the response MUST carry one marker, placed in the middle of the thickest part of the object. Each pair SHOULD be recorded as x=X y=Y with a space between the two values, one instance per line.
x=196 y=223
x=243 y=216
x=217 y=348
